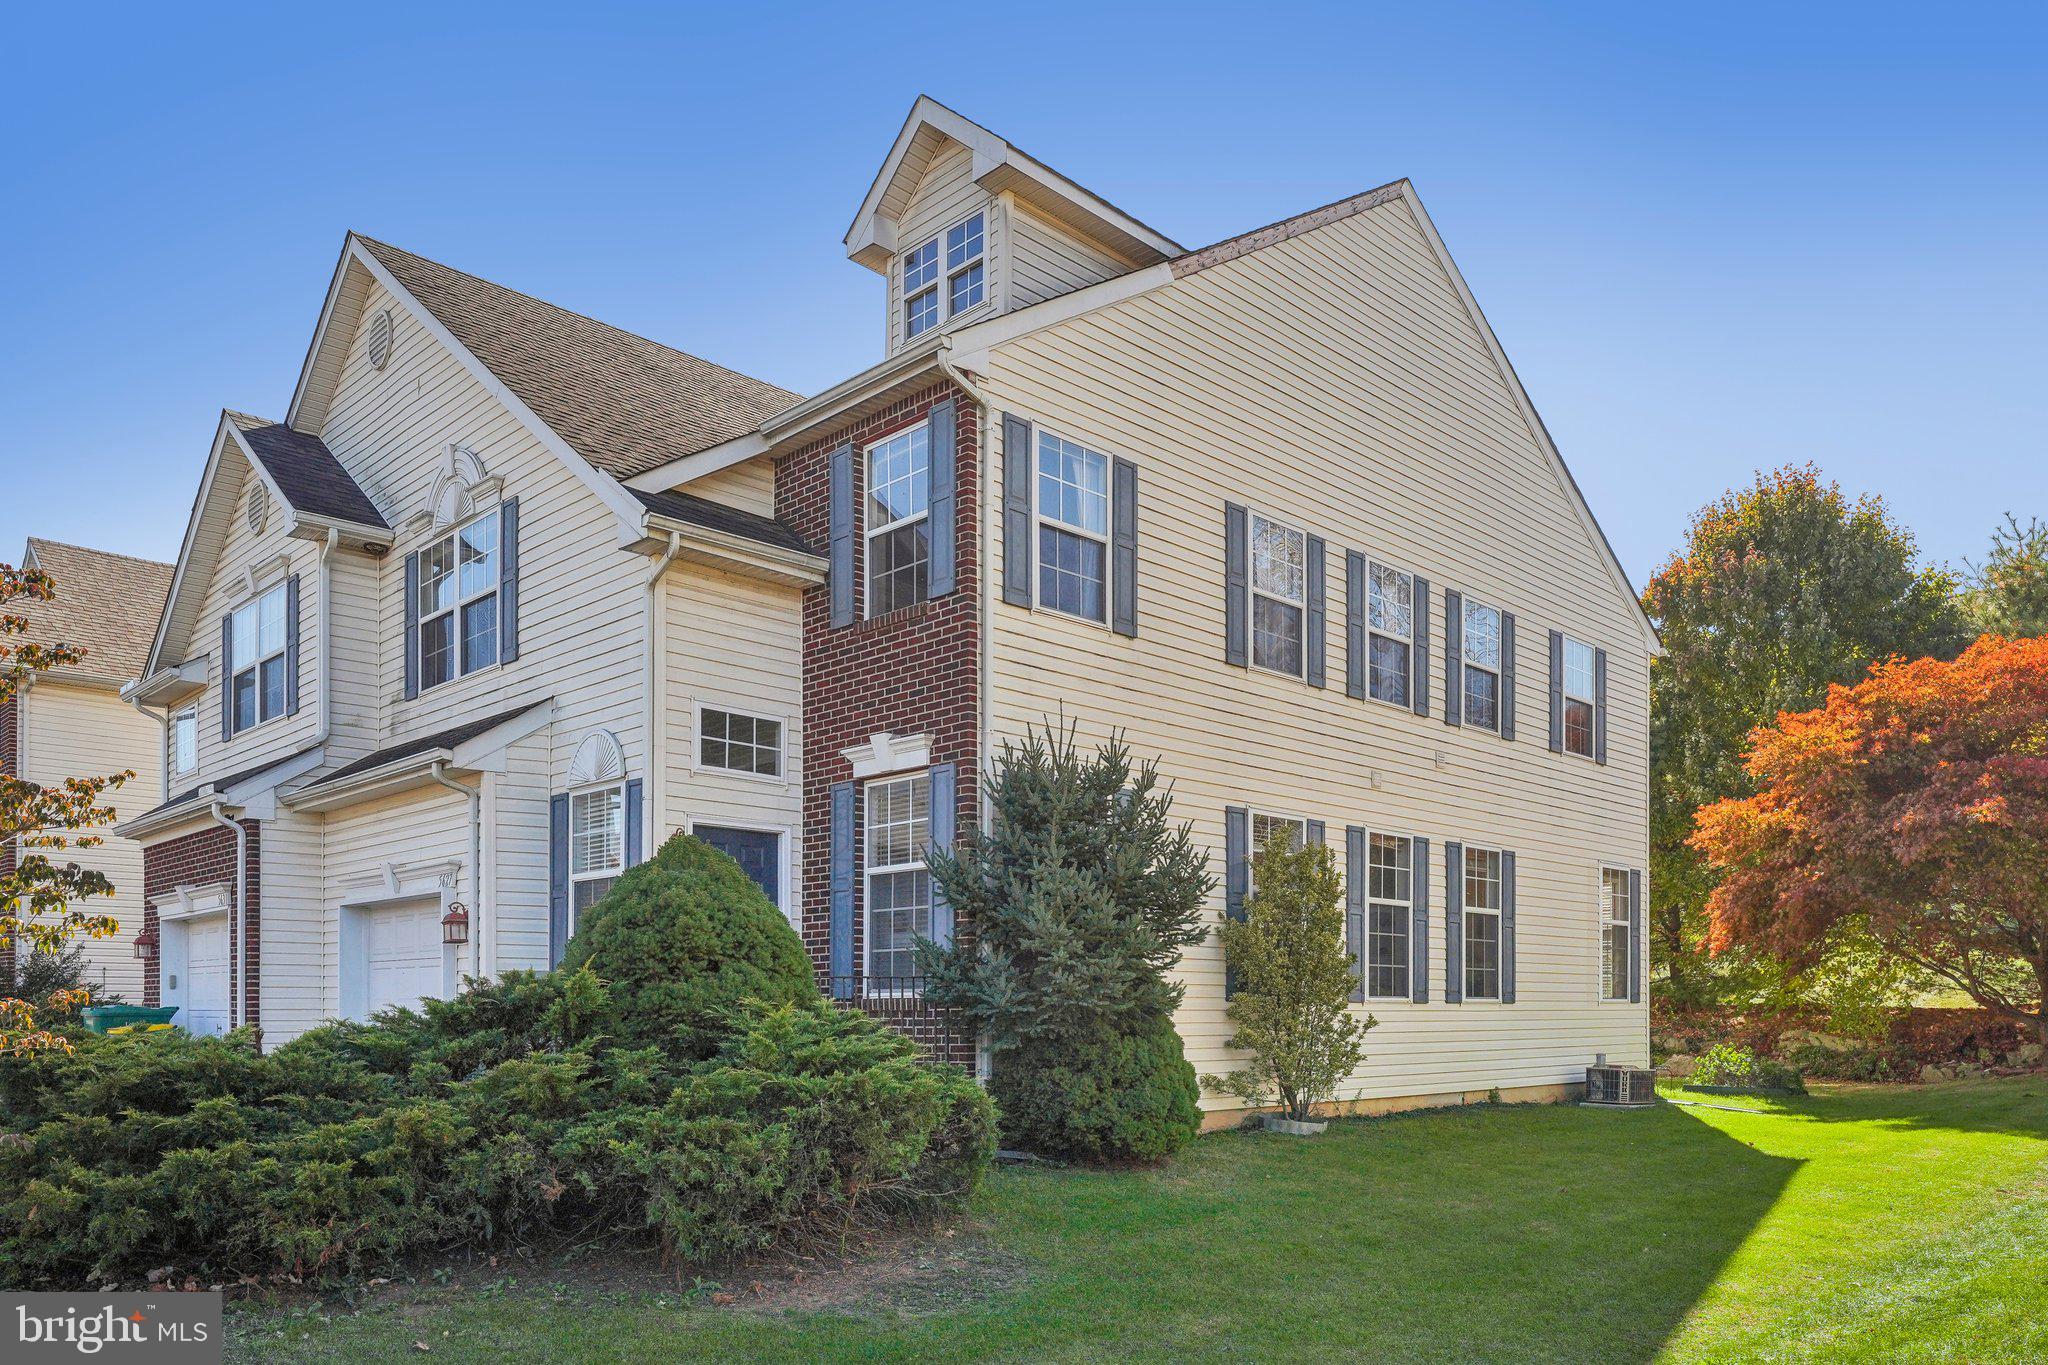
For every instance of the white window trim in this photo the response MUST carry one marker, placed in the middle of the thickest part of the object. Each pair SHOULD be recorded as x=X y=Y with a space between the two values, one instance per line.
x=868 y=873
x=944 y=283
x=254 y=603
x=188 y=712
x=1253 y=593
x=1038 y=519
x=453 y=534
x=1414 y=613
x=780 y=778
x=1498 y=670
x=785 y=852
x=1565 y=691
x=625 y=821
x=1407 y=909
x=1466 y=910
x=1601 y=922
x=1251 y=828
x=869 y=533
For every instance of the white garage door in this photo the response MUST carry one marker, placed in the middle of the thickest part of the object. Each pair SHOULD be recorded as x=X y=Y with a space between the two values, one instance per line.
x=205 y=987
x=405 y=955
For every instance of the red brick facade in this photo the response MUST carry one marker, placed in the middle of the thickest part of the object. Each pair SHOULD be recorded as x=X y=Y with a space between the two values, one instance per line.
x=206 y=857
x=913 y=672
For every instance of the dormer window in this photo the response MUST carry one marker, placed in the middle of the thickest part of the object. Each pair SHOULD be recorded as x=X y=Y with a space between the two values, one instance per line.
x=927 y=298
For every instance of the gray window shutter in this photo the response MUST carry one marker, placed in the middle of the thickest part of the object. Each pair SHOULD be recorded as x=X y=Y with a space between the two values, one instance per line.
x=1420 y=690
x=291 y=645
x=1123 y=548
x=839 y=952
x=412 y=624
x=1454 y=657
x=508 y=580
x=1507 y=928
x=945 y=453
x=1317 y=624
x=1454 y=923
x=944 y=816
x=1599 y=706
x=636 y=815
x=1418 y=921
x=1557 y=691
x=1507 y=675
x=1635 y=937
x=841 y=546
x=1355 y=591
x=1237 y=871
x=1016 y=511
x=1355 y=873
x=1237 y=605
x=1313 y=830
x=227 y=678
x=558 y=877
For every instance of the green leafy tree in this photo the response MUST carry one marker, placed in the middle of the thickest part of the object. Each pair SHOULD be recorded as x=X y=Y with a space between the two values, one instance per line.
x=42 y=900
x=2008 y=593
x=1292 y=1006
x=1077 y=901
x=1782 y=588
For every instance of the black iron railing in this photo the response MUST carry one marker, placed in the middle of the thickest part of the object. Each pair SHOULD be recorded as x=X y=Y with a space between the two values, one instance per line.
x=898 y=1001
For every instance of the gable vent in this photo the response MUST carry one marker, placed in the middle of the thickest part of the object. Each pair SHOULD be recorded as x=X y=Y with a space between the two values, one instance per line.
x=380 y=340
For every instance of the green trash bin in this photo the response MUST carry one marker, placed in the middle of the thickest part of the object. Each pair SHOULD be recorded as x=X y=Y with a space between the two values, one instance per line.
x=106 y=1018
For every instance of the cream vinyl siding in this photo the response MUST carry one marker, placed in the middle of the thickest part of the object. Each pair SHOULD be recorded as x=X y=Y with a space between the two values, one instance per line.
x=515 y=812
x=749 y=486
x=89 y=732
x=945 y=196
x=296 y=970
x=735 y=644
x=1335 y=381
x=1047 y=260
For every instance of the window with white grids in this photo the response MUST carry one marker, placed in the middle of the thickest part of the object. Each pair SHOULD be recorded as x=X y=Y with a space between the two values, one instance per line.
x=597 y=846
x=1390 y=611
x=1616 y=946
x=739 y=742
x=1578 y=698
x=458 y=602
x=899 y=533
x=1482 y=665
x=1482 y=923
x=1279 y=595
x=1386 y=916
x=1073 y=528
x=1264 y=827
x=899 y=886
x=184 y=744
x=256 y=634
x=945 y=276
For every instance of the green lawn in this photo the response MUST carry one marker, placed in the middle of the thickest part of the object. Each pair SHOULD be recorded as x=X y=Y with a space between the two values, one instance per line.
x=1862 y=1223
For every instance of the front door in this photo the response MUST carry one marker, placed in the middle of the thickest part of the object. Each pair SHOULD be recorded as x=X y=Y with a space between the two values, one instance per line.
x=757 y=851
x=205 y=988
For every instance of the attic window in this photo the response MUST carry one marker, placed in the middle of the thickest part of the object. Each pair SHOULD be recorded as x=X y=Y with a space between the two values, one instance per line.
x=927 y=298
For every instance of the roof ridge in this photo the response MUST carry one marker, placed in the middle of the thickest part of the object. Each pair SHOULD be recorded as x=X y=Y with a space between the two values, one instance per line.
x=92 y=550
x=1280 y=230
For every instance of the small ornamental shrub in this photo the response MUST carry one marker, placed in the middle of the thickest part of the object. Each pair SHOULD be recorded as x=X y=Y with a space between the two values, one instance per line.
x=1726 y=1064
x=681 y=939
x=1126 y=1096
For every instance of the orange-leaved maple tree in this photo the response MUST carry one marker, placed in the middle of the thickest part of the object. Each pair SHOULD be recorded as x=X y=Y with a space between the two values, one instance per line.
x=40 y=898
x=1917 y=798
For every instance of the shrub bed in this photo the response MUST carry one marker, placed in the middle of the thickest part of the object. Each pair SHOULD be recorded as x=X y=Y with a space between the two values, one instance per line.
x=531 y=1109
x=1913 y=1043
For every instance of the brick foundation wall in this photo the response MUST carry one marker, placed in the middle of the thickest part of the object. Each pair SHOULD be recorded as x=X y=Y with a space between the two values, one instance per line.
x=915 y=671
x=203 y=858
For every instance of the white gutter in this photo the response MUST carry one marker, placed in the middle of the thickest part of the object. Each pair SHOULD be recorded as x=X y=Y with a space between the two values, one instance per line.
x=238 y=1008
x=655 y=762
x=984 y=643
x=475 y=795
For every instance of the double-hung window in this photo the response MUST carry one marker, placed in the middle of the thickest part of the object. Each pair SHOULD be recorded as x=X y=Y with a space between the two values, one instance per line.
x=739 y=743
x=597 y=846
x=1482 y=923
x=458 y=602
x=1293 y=827
x=1279 y=595
x=1073 y=528
x=927 y=298
x=184 y=743
x=1391 y=621
x=257 y=645
x=1578 y=698
x=1386 y=916
x=899 y=533
x=1482 y=665
x=899 y=886
x=1615 y=948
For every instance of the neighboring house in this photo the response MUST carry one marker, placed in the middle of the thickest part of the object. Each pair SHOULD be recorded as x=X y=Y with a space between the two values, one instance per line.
x=509 y=588
x=70 y=722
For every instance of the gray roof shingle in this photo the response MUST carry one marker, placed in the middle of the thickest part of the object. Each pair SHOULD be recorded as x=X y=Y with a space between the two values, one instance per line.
x=717 y=516
x=424 y=744
x=306 y=471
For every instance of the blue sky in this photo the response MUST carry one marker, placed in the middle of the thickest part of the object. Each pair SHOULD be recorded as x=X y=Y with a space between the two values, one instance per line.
x=1711 y=238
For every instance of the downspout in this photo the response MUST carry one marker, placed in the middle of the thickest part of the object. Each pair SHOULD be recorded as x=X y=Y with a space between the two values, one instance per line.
x=475 y=796
x=238 y=1004
x=656 y=634
x=985 y=634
